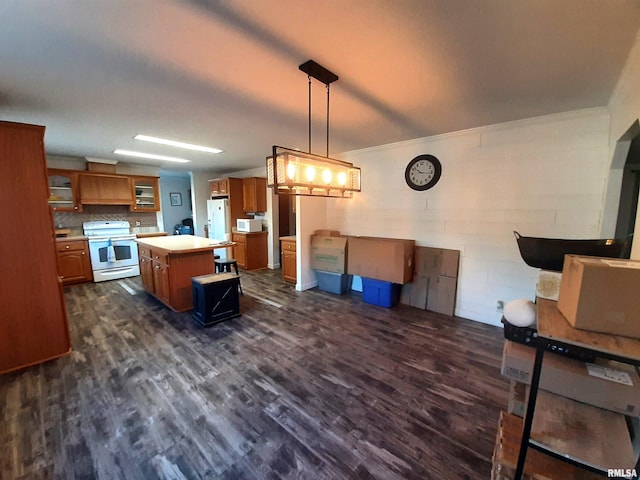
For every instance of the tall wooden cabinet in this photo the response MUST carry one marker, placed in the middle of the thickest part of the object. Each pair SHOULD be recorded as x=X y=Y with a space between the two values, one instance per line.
x=33 y=321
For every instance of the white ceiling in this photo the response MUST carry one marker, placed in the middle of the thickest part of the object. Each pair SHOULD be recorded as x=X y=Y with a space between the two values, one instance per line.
x=225 y=73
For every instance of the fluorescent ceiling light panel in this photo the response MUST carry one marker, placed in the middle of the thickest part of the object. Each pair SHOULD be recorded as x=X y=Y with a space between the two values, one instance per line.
x=131 y=153
x=173 y=143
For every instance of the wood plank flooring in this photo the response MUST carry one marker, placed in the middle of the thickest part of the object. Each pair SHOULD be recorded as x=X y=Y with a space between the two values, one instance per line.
x=303 y=385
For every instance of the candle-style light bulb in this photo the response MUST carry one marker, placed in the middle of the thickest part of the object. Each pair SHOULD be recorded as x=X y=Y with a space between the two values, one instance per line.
x=311 y=173
x=291 y=170
x=326 y=176
x=342 y=178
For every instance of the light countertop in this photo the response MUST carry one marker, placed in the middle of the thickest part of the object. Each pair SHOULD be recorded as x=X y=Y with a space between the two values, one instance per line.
x=291 y=238
x=183 y=243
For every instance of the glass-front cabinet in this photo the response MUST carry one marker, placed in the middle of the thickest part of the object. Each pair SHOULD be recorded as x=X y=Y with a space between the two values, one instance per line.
x=146 y=194
x=63 y=190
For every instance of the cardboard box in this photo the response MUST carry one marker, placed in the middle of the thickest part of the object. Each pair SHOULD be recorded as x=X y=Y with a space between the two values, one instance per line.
x=386 y=259
x=606 y=384
x=441 y=296
x=327 y=233
x=436 y=261
x=329 y=254
x=436 y=293
x=548 y=285
x=518 y=396
x=601 y=294
x=415 y=293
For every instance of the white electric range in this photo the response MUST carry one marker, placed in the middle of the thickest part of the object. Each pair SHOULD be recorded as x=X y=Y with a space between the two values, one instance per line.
x=113 y=250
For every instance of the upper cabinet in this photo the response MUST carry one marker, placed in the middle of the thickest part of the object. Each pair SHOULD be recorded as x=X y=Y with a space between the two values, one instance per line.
x=219 y=187
x=105 y=189
x=145 y=192
x=254 y=194
x=63 y=190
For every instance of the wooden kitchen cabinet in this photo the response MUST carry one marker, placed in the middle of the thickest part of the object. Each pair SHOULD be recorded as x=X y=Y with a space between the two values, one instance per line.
x=33 y=323
x=63 y=190
x=219 y=187
x=254 y=194
x=74 y=261
x=289 y=259
x=168 y=263
x=250 y=250
x=105 y=189
x=145 y=192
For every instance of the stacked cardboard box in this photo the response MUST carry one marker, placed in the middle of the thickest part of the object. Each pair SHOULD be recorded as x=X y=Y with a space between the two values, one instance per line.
x=385 y=259
x=329 y=260
x=601 y=294
x=435 y=280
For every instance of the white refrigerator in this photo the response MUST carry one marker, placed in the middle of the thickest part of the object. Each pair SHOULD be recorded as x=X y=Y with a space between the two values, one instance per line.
x=218 y=219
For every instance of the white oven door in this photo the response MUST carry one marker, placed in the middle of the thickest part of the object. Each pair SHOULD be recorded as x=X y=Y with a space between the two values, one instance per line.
x=124 y=252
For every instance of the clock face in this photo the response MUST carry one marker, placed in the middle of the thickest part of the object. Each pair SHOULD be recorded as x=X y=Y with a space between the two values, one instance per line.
x=423 y=172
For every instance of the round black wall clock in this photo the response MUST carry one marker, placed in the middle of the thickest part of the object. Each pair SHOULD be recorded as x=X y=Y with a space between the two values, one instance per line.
x=423 y=172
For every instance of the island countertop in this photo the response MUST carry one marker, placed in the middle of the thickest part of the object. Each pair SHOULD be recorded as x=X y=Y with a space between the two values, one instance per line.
x=183 y=243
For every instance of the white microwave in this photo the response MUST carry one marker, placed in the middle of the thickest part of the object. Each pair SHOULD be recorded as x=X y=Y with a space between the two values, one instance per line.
x=249 y=225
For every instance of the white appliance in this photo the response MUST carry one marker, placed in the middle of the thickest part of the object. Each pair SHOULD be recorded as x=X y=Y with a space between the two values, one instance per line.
x=219 y=222
x=249 y=225
x=113 y=250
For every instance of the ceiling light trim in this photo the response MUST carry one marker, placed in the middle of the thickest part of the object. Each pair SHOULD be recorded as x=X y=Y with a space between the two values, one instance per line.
x=177 y=143
x=153 y=156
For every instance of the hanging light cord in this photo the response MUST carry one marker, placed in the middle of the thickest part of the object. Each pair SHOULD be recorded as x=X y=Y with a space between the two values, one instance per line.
x=328 y=96
x=328 y=90
x=309 y=77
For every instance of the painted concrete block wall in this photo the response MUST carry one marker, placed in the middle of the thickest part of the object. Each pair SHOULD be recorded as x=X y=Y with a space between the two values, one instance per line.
x=542 y=177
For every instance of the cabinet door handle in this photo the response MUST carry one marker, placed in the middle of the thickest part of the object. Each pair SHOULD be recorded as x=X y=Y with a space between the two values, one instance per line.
x=66 y=246
x=158 y=266
x=83 y=253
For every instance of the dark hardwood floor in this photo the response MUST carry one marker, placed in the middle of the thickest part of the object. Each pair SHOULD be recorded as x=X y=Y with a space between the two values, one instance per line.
x=303 y=385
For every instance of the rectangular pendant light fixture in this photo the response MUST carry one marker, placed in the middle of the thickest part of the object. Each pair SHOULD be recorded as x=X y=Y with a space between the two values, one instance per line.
x=291 y=172
x=175 y=143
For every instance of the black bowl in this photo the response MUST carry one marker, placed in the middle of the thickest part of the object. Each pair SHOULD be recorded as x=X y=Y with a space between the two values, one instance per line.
x=548 y=253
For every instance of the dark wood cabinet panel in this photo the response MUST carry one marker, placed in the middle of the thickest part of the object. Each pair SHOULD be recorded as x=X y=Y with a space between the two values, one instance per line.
x=103 y=189
x=33 y=324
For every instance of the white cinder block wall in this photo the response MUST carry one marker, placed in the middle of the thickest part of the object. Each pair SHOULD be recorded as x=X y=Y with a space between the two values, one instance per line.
x=543 y=177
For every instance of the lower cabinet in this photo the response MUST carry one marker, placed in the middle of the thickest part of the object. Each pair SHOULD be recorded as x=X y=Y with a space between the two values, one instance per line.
x=161 y=282
x=74 y=261
x=167 y=275
x=289 y=259
x=250 y=250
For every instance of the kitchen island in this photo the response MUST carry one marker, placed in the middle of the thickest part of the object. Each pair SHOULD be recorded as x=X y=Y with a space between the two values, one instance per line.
x=168 y=263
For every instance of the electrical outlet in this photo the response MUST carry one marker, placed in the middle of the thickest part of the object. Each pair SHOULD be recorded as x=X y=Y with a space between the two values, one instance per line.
x=137 y=223
x=500 y=305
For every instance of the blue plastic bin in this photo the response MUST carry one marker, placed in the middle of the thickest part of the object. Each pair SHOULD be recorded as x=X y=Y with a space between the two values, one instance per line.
x=337 y=283
x=377 y=292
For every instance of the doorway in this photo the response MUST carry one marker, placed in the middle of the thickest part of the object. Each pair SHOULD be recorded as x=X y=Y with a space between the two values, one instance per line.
x=629 y=191
x=287 y=215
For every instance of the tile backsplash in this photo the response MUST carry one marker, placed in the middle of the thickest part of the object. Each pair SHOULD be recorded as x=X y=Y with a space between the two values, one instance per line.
x=74 y=220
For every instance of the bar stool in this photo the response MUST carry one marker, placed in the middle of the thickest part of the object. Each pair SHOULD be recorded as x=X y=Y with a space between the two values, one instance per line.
x=225 y=266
